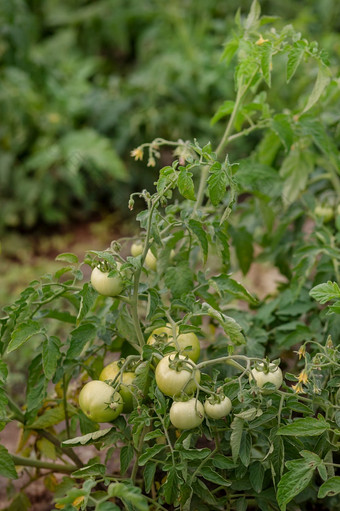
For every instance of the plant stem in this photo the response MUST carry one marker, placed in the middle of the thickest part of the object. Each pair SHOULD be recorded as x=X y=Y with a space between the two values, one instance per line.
x=28 y=462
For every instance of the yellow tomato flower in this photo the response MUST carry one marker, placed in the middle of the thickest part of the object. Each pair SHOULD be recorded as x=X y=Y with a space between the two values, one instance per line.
x=298 y=388
x=303 y=377
x=261 y=41
x=137 y=153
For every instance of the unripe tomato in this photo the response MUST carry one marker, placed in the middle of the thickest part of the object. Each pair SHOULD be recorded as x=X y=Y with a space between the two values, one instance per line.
x=216 y=410
x=324 y=212
x=188 y=343
x=100 y=402
x=109 y=373
x=171 y=381
x=150 y=261
x=186 y=414
x=136 y=249
x=274 y=376
x=105 y=285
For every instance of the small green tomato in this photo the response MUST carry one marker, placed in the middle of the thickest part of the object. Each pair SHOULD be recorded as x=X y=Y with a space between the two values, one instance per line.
x=216 y=410
x=186 y=414
x=100 y=402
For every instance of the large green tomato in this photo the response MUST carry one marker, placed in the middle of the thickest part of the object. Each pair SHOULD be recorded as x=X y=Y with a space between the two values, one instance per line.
x=100 y=402
x=136 y=249
x=105 y=285
x=186 y=414
x=274 y=376
x=171 y=381
x=109 y=373
x=216 y=410
x=188 y=343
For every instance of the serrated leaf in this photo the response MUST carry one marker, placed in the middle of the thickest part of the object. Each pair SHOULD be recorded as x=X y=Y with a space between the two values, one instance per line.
x=67 y=257
x=236 y=437
x=170 y=487
x=95 y=469
x=126 y=455
x=50 y=356
x=22 y=334
x=79 y=338
x=230 y=49
x=282 y=127
x=295 y=170
x=256 y=475
x=7 y=467
x=90 y=438
x=304 y=427
x=87 y=298
x=125 y=326
x=50 y=418
x=225 y=109
x=179 y=279
x=217 y=183
x=148 y=475
x=266 y=50
x=185 y=184
x=233 y=288
x=150 y=453
x=321 y=83
x=210 y=475
x=326 y=292
x=243 y=243
x=293 y=482
x=295 y=56
x=197 y=228
x=329 y=488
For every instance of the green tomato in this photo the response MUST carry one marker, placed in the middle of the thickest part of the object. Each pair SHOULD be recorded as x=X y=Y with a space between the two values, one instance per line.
x=150 y=261
x=125 y=388
x=216 y=410
x=171 y=381
x=274 y=376
x=188 y=343
x=136 y=249
x=100 y=402
x=105 y=285
x=186 y=414
x=324 y=212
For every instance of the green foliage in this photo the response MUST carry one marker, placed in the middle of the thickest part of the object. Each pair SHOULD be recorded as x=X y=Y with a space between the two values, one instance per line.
x=210 y=216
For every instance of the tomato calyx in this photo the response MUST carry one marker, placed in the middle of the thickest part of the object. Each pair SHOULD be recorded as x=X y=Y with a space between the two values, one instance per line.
x=179 y=365
x=266 y=366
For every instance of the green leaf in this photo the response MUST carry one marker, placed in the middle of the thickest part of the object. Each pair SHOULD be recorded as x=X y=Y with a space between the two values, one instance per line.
x=304 y=427
x=149 y=474
x=7 y=467
x=321 y=83
x=23 y=333
x=225 y=109
x=266 y=50
x=125 y=326
x=210 y=475
x=329 y=488
x=67 y=257
x=79 y=338
x=185 y=184
x=126 y=455
x=245 y=448
x=253 y=16
x=95 y=469
x=282 y=127
x=179 y=279
x=20 y=503
x=236 y=437
x=243 y=243
x=217 y=183
x=230 y=287
x=129 y=494
x=50 y=356
x=197 y=228
x=223 y=462
x=170 y=487
x=230 y=49
x=88 y=296
x=259 y=178
x=324 y=293
x=150 y=453
x=90 y=438
x=293 y=482
x=295 y=55
x=256 y=475
x=229 y=325
x=50 y=418
x=295 y=170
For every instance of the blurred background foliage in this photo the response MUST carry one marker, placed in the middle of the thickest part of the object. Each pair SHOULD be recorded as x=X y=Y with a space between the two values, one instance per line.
x=84 y=82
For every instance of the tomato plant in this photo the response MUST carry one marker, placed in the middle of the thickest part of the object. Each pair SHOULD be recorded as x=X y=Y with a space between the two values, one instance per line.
x=216 y=225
